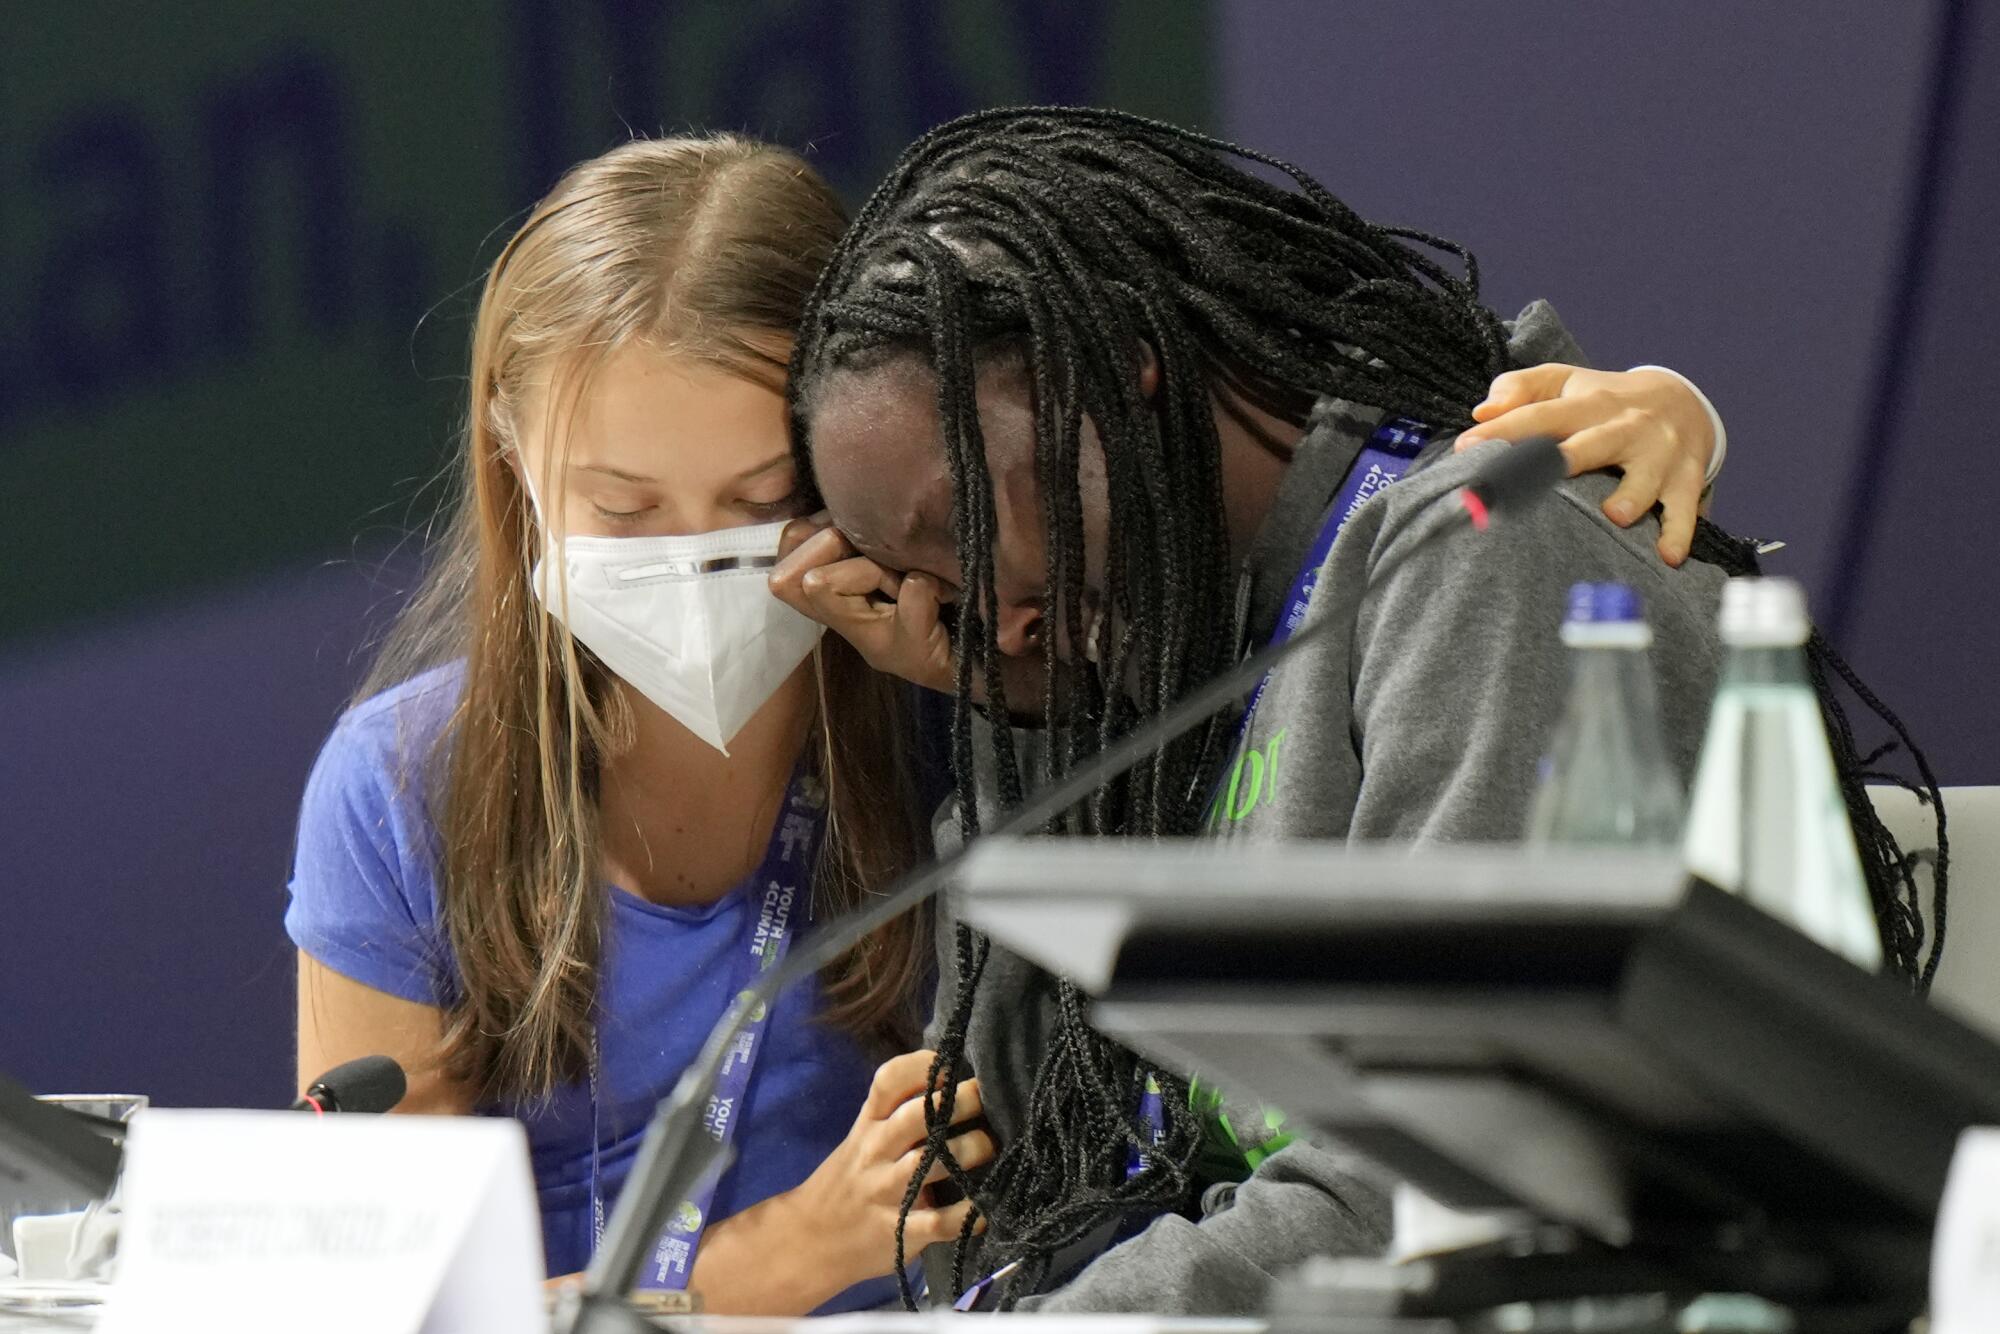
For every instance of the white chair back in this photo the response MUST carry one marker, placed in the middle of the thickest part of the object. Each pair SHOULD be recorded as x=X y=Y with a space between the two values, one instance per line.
x=1968 y=981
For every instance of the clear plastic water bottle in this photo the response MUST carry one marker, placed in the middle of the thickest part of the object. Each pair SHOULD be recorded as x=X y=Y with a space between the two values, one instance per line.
x=1608 y=778
x=1766 y=819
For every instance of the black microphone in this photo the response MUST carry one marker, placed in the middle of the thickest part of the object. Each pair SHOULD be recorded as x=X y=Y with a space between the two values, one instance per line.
x=1520 y=472
x=370 y=1084
x=678 y=1152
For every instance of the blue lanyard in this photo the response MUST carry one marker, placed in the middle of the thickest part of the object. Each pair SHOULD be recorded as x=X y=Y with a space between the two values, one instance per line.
x=1153 y=1115
x=785 y=880
x=1383 y=461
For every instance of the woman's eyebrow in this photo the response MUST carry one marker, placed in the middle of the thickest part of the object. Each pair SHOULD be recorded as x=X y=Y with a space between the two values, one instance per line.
x=771 y=464
x=610 y=471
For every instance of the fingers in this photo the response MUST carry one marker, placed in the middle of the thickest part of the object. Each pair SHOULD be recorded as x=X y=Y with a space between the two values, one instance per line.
x=853 y=596
x=1636 y=493
x=1642 y=423
x=825 y=578
x=917 y=604
x=808 y=550
x=1676 y=485
x=1559 y=417
x=1596 y=447
x=1680 y=503
x=927 y=1227
x=855 y=577
x=1516 y=389
x=972 y=1149
x=798 y=530
x=905 y=1127
x=896 y=1081
x=891 y=618
x=923 y=645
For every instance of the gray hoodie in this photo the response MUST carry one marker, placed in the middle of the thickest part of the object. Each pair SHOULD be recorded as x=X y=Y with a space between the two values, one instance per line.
x=1422 y=717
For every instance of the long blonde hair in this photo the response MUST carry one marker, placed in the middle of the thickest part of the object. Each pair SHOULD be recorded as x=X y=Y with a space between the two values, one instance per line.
x=702 y=246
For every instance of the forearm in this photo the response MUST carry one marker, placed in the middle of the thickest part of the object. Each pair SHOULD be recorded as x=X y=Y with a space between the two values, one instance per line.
x=340 y=1019
x=764 y=1261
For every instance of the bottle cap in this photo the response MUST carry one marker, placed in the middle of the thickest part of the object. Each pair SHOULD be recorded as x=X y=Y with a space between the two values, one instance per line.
x=1606 y=616
x=1596 y=603
x=1764 y=613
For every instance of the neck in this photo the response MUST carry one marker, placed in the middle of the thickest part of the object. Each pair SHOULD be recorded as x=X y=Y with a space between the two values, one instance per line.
x=1256 y=448
x=682 y=823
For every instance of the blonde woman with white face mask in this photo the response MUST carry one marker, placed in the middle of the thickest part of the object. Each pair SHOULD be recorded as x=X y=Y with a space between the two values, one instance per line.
x=601 y=776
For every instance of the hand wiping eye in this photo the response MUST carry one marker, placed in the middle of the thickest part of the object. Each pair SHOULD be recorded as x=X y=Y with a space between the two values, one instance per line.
x=892 y=619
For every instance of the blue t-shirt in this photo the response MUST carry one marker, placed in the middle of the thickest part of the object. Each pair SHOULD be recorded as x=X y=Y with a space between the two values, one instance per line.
x=364 y=902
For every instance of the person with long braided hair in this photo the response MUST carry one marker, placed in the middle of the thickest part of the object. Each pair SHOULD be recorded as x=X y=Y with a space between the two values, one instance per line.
x=1082 y=400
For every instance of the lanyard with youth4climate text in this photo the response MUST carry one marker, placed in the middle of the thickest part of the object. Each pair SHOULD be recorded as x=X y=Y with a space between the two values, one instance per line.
x=783 y=882
x=1382 y=461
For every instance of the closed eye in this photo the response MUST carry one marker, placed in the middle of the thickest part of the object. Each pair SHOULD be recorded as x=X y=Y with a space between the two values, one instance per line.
x=771 y=510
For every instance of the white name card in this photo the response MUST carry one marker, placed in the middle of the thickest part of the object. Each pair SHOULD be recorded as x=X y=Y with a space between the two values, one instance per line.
x=1965 y=1254
x=257 y=1221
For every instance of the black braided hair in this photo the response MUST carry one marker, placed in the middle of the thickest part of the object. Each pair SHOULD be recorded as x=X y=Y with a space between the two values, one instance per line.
x=1070 y=244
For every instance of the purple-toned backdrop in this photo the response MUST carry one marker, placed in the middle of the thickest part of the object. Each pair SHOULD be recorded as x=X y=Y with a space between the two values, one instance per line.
x=1727 y=189
x=153 y=772
x=1713 y=186
x=1924 y=596
x=1724 y=188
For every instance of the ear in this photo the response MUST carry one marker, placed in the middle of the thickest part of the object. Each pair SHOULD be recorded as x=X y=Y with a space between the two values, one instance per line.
x=1149 y=369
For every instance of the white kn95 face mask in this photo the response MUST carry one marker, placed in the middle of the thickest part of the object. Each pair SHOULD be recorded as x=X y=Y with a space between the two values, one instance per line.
x=688 y=622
